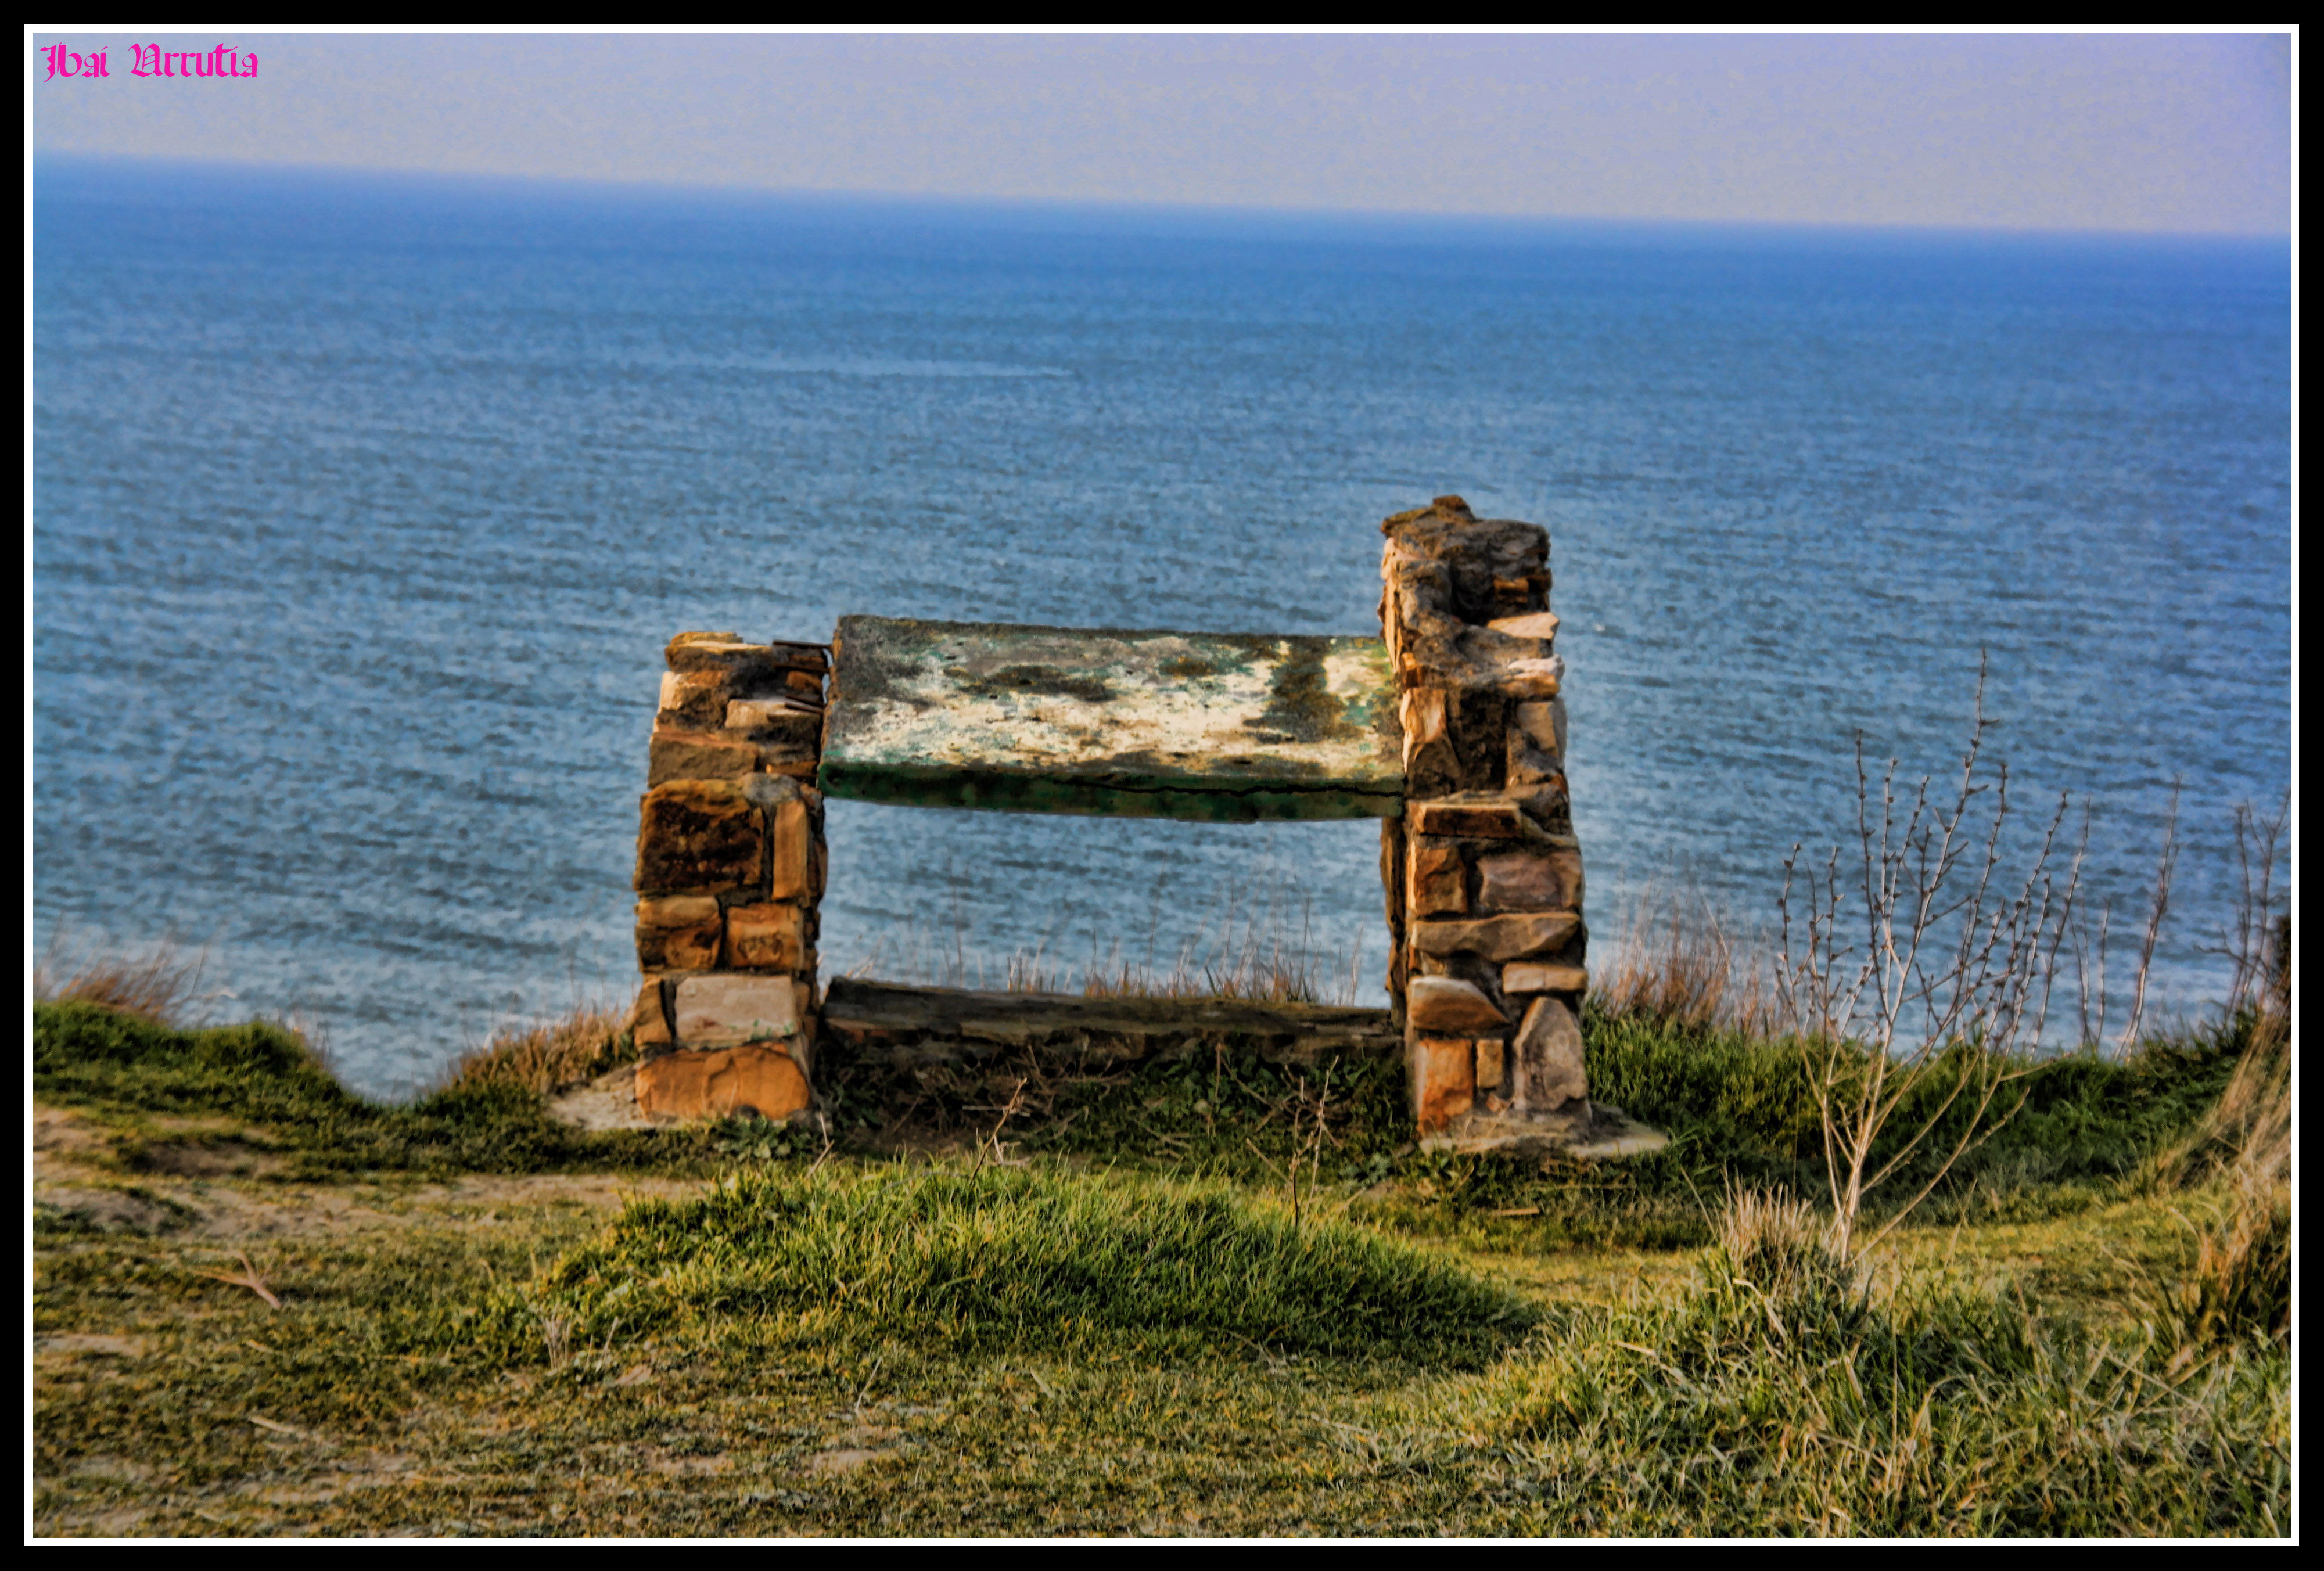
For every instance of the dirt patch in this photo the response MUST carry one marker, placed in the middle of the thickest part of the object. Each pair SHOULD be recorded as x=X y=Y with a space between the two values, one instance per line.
x=58 y=1133
x=139 y=1212
x=208 y=1180
x=480 y=1200
x=608 y=1102
x=206 y=1159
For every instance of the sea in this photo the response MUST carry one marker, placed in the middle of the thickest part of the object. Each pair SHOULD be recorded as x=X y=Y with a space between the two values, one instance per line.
x=363 y=505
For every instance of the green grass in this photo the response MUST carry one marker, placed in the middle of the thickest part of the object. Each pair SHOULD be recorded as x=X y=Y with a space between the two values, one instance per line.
x=1129 y=1333
x=1938 y=1410
x=1029 y=1259
x=84 y=1055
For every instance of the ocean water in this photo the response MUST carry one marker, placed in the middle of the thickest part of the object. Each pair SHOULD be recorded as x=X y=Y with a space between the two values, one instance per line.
x=363 y=506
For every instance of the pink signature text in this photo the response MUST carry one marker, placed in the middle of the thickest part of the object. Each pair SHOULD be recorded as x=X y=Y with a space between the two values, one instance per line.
x=146 y=59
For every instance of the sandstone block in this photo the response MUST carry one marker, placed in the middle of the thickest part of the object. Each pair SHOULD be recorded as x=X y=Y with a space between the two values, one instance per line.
x=700 y=836
x=1542 y=721
x=1430 y=762
x=800 y=656
x=1443 y=1080
x=1534 y=976
x=1530 y=881
x=794 y=853
x=1468 y=820
x=1513 y=598
x=806 y=684
x=678 y=933
x=693 y=701
x=1391 y=868
x=1539 y=624
x=1535 y=679
x=728 y=1010
x=649 y=1021
x=684 y=755
x=1549 y=1069
x=1442 y=1005
x=752 y=665
x=1438 y=884
x=1489 y=1064
x=719 y=1083
x=766 y=937
x=1529 y=764
x=681 y=642
x=769 y=792
x=1498 y=938
x=775 y=720
x=1547 y=805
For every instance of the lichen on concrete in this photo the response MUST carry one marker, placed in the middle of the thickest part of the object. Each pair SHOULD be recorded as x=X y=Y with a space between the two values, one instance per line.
x=1219 y=727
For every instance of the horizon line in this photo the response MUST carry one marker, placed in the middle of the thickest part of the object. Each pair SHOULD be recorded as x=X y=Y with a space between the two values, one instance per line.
x=1128 y=207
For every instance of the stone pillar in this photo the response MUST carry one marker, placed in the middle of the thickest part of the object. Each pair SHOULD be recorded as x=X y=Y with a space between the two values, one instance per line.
x=730 y=870
x=1483 y=874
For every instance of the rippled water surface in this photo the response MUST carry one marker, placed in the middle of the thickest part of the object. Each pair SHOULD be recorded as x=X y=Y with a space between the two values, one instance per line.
x=362 y=508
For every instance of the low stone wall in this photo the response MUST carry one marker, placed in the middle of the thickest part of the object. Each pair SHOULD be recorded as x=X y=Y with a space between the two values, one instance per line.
x=1482 y=873
x=730 y=870
x=903 y=1027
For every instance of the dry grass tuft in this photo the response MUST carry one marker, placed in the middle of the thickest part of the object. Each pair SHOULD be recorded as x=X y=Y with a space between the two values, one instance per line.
x=1774 y=1240
x=1250 y=952
x=1269 y=973
x=546 y=1059
x=1680 y=964
x=2241 y=1283
x=2248 y=1135
x=157 y=985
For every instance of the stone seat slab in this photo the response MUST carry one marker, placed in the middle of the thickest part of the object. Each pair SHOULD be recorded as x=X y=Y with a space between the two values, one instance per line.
x=1213 y=727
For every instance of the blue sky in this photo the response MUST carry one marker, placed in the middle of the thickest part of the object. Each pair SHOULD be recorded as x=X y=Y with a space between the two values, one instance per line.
x=2184 y=132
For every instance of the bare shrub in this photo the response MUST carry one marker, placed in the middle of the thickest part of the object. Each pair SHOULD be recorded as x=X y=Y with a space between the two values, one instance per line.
x=2259 y=945
x=2093 y=948
x=157 y=983
x=584 y=1043
x=1918 y=972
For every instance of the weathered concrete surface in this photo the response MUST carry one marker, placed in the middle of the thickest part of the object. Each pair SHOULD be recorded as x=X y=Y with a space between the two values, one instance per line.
x=1217 y=727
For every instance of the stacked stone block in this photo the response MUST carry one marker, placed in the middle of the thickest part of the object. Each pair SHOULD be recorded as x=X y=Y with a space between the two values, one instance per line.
x=730 y=871
x=1482 y=874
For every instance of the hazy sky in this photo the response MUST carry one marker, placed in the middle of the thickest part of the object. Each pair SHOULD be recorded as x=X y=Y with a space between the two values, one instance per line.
x=2179 y=131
